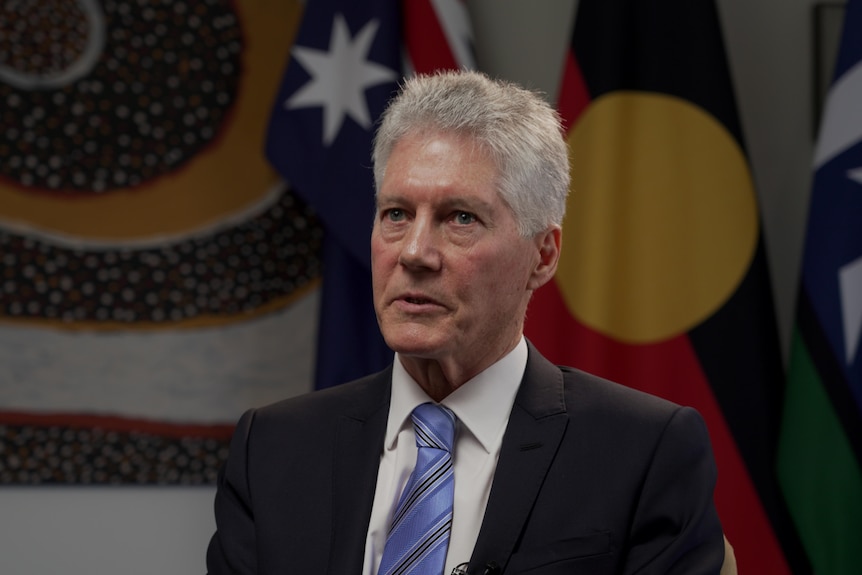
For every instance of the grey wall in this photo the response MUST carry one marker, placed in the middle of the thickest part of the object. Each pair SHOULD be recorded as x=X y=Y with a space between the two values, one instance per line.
x=94 y=531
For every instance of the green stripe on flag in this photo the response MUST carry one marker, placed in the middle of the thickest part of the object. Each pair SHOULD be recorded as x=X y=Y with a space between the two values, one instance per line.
x=818 y=472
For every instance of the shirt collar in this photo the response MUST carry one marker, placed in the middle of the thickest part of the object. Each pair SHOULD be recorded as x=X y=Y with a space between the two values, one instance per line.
x=482 y=405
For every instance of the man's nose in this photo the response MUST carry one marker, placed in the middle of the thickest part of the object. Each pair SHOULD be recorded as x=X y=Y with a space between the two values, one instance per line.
x=421 y=245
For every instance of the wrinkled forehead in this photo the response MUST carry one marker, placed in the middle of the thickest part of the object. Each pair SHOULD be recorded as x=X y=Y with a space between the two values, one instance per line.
x=474 y=145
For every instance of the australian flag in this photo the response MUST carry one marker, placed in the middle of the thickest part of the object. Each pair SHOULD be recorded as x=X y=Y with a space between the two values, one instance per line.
x=345 y=65
x=820 y=455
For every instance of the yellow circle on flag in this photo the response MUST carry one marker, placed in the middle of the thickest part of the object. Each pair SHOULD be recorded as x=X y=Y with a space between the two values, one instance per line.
x=662 y=221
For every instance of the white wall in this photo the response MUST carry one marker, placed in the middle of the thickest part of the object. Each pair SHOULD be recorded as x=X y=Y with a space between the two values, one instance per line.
x=134 y=530
x=104 y=531
x=770 y=47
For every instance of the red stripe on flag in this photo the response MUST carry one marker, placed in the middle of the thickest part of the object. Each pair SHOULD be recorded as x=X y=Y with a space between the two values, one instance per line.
x=669 y=369
x=574 y=97
x=114 y=423
x=425 y=39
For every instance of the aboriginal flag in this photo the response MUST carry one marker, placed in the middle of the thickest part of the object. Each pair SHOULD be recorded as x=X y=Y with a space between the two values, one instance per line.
x=663 y=282
x=820 y=454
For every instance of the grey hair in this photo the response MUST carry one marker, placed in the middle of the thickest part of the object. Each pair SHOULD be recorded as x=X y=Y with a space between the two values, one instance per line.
x=516 y=127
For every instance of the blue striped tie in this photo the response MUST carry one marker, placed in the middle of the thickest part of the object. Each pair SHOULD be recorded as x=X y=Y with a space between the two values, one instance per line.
x=419 y=534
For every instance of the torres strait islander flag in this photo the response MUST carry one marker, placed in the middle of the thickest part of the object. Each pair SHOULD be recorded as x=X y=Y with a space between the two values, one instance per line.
x=663 y=282
x=345 y=65
x=820 y=450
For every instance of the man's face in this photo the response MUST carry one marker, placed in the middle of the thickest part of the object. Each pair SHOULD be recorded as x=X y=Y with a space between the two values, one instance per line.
x=452 y=276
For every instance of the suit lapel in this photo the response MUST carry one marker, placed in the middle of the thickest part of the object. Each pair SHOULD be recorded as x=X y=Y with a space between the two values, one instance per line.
x=356 y=455
x=534 y=432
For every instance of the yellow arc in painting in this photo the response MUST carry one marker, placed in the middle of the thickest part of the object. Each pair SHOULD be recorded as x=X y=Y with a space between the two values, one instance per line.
x=223 y=179
x=662 y=220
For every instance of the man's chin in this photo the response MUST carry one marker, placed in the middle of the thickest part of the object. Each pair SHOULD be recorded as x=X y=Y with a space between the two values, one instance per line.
x=418 y=351
x=416 y=345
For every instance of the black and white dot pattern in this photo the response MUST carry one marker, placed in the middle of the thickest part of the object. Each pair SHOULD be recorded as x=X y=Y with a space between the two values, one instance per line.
x=91 y=455
x=100 y=96
x=159 y=91
x=228 y=273
x=41 y=38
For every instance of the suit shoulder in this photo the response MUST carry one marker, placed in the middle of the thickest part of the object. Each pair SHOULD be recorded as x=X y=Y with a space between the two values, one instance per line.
x=601 y=408
x=549 y=389
x=356 y=398
x=588 y=392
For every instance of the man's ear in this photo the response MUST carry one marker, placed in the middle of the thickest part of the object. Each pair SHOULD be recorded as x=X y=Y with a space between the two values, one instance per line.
x=548 y=244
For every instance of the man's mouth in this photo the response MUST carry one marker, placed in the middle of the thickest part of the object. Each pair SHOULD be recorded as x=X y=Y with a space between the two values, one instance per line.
x=417 y=300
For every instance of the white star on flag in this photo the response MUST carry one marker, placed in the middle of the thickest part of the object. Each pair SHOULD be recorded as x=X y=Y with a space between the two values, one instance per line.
x=340 y=77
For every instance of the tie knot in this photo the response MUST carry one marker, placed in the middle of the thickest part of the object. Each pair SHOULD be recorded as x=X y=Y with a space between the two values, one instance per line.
x=434 y=426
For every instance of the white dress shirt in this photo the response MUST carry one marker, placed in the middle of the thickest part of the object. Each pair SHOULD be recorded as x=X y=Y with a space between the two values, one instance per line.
x=482 y=406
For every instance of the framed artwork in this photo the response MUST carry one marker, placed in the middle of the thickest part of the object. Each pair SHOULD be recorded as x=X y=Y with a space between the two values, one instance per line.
x=156 y=277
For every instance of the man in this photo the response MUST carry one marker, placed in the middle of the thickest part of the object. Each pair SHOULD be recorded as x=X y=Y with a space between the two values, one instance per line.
x=555 y=470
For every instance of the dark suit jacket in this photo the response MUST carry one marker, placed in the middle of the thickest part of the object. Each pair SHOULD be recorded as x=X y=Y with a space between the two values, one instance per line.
x=593 y=478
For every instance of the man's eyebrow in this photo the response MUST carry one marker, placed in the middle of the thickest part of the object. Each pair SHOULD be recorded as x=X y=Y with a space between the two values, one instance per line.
x=388 y=200
x=467 y=203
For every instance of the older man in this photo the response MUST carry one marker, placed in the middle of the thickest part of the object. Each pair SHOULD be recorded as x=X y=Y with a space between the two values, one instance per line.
x=471 y=452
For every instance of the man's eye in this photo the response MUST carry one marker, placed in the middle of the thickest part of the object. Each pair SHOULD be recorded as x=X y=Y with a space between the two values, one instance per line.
x=395 y=215
x=465 y=218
